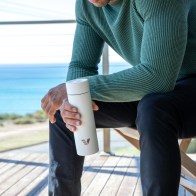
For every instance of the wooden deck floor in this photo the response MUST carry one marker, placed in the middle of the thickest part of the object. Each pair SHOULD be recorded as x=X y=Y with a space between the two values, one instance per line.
x=24 y=174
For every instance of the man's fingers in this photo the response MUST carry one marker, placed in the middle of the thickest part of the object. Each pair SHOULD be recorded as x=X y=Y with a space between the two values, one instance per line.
x=67 y=106
x=44 y=99
x=44 y=104
x=51 y=102
x=71 y=115
x=71 y=128
x=50 y=111
x=72 y=122
x=52 y=119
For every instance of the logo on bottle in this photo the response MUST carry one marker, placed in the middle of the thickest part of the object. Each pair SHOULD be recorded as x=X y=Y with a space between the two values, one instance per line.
x=86 y=142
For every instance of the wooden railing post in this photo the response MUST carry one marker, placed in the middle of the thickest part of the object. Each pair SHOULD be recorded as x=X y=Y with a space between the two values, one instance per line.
x=105 y=67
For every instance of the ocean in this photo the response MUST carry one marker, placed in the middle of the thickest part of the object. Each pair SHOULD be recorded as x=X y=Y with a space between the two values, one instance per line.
x=22 y=87
x=29 y=55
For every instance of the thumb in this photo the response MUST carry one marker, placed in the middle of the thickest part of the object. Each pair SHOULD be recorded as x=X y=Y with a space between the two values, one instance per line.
x=52 y=119
x=95 y=106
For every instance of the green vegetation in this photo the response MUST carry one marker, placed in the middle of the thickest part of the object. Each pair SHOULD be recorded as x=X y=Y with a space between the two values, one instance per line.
x=18 y=131
x=4 y=117
x=126 y=151
x=23 y=139
x=38 y=116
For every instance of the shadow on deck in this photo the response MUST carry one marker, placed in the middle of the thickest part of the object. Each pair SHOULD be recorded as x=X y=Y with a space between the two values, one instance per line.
x=27 y=174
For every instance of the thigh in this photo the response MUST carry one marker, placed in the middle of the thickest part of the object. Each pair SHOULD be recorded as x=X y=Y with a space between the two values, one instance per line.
x=183 y=98
x=113 y=115
x=179 y=105
x=184 y=95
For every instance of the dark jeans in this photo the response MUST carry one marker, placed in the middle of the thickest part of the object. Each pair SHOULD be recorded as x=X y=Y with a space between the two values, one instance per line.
x=160 y=119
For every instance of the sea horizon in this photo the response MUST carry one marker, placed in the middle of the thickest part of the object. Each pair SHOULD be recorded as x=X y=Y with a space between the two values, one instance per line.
x=34 y=57
x=23 y=86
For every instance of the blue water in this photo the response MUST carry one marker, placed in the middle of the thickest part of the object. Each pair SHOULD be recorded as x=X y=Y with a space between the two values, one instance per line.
x=22 y=87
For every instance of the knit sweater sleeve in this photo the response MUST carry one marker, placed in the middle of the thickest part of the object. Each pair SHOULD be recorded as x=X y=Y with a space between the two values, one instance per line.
x=162 y=51
x=87 y=48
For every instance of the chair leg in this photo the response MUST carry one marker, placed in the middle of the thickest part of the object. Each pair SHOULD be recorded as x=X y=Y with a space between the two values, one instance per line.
x=184 y=144
x=189 y=186
x=188 y=165
x=133 y=141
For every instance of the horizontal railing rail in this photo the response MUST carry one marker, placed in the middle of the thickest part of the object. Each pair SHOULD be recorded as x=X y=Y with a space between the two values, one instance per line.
x=36 y=22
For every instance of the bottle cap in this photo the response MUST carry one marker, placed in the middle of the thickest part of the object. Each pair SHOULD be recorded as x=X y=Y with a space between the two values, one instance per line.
x=77 y=86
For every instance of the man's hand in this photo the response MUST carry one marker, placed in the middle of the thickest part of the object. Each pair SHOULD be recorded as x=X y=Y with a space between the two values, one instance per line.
x=52 y=101
x=71 y=116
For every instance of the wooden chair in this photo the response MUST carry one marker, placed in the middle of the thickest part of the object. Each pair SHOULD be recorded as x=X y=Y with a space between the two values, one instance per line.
x=188 y=166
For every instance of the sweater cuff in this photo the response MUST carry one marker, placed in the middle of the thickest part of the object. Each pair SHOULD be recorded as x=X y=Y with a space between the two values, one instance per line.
x=93 y=85
x=77 y=73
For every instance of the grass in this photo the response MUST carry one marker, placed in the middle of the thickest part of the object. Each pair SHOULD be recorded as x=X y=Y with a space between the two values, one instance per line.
x=126 y=151
x=20 y=136
x=22 y=140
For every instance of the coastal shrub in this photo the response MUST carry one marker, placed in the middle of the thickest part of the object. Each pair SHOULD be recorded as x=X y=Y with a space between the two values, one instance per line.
x=24 y=120
x=38 y=116
x=9 y=116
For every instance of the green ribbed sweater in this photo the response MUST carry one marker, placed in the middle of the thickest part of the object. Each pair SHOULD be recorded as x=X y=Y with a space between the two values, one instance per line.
x=157 y=37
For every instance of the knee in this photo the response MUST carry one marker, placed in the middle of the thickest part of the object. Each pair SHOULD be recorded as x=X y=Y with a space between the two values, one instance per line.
x=152 y=112
x=149 y=107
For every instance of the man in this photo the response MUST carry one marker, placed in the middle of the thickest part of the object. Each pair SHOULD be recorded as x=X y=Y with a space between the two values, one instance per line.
x=157 y=95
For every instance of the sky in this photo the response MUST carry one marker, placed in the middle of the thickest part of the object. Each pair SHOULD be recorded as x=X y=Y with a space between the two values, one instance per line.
x=27 y=44
x=34 y=44
x=16 y=10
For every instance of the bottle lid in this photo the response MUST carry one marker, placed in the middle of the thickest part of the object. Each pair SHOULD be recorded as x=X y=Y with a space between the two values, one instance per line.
x=77 y=86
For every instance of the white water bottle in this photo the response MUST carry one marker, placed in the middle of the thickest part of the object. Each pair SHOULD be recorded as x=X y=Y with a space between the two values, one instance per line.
x=85 y=136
